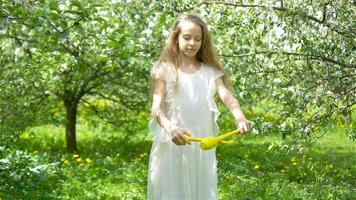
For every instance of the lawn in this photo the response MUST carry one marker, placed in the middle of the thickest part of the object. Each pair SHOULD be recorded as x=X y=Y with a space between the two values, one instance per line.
x=112 y=166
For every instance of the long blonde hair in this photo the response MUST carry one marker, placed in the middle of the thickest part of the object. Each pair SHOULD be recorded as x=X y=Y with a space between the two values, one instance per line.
x=206 y=54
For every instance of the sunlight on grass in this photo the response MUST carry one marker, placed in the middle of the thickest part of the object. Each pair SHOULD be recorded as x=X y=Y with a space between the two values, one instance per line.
x=113 y=165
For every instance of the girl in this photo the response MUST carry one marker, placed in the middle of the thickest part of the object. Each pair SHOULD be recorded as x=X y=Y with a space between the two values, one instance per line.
x=186 y=78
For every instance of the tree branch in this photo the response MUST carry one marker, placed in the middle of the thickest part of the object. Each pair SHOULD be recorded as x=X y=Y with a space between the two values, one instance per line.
x=300 y=12
x=311 y=120
x=314 y=57
x=97 y=112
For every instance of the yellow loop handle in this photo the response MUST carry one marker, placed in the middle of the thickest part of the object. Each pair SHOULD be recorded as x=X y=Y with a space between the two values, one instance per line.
x=210 y=142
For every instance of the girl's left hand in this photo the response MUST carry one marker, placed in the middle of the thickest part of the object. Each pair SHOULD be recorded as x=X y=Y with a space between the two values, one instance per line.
x=243 y=124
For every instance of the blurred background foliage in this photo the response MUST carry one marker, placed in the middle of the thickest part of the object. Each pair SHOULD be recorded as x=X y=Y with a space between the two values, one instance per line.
x=291 y=63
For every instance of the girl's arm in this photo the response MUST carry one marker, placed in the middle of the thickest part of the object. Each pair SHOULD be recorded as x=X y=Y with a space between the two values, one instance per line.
x=233 y=105
x=158 y=98
x=157 y=113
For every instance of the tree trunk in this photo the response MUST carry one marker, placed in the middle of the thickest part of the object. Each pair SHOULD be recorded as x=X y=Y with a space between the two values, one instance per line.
x=348 y=117
x=71 y=108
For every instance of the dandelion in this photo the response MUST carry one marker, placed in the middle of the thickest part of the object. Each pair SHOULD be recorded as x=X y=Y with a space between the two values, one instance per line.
x=66 y=162
x=142 y=114
x=75 y=156
x=294 y=159
x=142 y=155
x=88 y=161
x=26 y=136
x=257 y=167
x=79 y=160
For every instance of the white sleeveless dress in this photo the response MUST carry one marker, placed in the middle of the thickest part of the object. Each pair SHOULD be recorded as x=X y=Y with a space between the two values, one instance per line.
x=184 y=172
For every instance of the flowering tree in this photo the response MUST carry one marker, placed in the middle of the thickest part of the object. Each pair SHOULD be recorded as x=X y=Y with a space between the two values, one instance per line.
x=294 y=61
x=66 y=53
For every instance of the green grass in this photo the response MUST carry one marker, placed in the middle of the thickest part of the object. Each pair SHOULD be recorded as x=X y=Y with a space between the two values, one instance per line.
x=112 y=166
x=324 y=171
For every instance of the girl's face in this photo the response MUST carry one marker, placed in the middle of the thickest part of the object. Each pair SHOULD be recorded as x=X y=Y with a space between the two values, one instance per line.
x=190 y=38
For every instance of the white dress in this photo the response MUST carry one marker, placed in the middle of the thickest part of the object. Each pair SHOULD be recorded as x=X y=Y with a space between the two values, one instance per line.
x=184 y=172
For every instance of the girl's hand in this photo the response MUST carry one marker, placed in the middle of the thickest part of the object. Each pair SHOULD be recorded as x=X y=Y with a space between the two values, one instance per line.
x=243 y=124
x=177 y=135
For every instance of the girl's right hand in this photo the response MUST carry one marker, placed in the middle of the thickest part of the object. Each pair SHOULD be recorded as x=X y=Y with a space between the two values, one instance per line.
x=177 y=135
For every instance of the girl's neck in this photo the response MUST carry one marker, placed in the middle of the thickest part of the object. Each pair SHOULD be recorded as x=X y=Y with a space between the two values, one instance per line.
x=187 y=62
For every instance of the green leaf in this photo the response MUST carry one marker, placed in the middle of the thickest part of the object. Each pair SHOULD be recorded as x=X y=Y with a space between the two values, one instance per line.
x=162 y=19
x=113 y=43
x=53 y=5
x=76 y=3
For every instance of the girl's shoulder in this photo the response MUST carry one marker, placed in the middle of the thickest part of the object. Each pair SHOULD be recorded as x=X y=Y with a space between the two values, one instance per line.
x=162 y=70
x=212 y=71
x=159 y=69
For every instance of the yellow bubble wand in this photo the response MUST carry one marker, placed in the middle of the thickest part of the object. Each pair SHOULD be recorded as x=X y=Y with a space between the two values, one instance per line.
x=212 y=141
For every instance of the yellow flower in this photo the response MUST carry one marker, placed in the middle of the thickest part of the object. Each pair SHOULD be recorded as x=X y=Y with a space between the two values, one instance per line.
x=26 y=135
x=294 y=159
x=79 y=160
x=294 y=163
x=66 y=162
x=283 y=170
x=75 y=156
x=257 y=167
x=88 y=161
x=62 y=159
x=142 y=114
